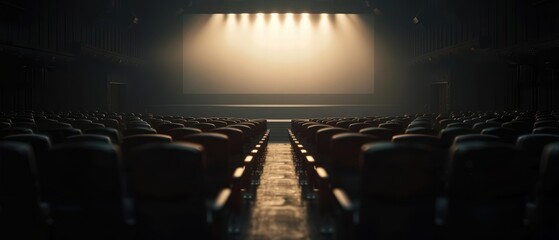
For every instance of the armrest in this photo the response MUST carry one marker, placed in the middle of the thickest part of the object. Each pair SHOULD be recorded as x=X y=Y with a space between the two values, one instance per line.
x=221 y=200
x=342 y=199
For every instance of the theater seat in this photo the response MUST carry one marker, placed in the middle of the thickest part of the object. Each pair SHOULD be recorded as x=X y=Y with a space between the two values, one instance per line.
x=398 y=188
x=533 y=145
x=427 y=140
x=204 y=127
x=324 y=138
x=487 y=186
x=519 y=126
x=447 y=135
x=162 y=128
x=476 y=138
x=178 y=133
x=4 y=125
x=547 y=207
x=478 y=127
x=382 y=133
x=546 y=130
x=85 y=138
x=84 y=187
x=14 y=131
x=235 y=136
x=356 y=127
x=312 y=130
x=344 y=166
x=167 y=182
x=112 y=133
x=217 y=162
x=421 y=130
x=506 y=134
x=396 y=127
x=59 y=135
x=19 y=194
x=138 y=131
x=131 y=142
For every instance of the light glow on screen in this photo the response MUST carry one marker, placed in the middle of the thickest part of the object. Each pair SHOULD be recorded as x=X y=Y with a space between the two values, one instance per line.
x=277 y=54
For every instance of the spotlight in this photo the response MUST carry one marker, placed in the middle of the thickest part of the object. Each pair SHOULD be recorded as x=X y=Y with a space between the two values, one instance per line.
x=135 y=20
x=415 y=20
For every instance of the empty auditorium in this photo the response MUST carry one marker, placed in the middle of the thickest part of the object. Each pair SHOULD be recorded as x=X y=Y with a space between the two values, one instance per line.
x=279 y=120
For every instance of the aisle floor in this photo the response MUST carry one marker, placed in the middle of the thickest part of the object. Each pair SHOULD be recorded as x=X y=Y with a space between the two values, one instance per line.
x=279 y=212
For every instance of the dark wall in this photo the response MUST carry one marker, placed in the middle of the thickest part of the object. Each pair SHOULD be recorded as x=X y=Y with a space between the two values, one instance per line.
x=61 y=54
x=495 y=54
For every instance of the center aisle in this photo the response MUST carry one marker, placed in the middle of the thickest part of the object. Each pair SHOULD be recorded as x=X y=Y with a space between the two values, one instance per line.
x=279 y=211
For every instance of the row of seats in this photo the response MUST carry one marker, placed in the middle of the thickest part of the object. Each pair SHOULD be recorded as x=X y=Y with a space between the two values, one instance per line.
x=383 y=183
x=62 y=184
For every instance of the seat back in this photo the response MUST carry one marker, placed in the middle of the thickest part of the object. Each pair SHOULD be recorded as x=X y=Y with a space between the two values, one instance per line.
x=398 y=188
x=487 y=178
x=235 y=136
x=421 y=139
x=167 y=183
x=324 y=138
x=382 y=133
x=84 y=138
x=112 y=133
x=447 y=135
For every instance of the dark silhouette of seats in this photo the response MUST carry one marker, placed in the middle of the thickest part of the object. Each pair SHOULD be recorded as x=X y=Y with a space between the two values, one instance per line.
x=476 y=138
x=132 y=125
x=478 y=127
x=84 y=187
x=167 y=183
x=219 y=124
x=129 y=143
x=459 y=125
x=85 y=138
x=178 y=133
x=324 y=138
x=447 y=135
x=398 y=188
x=14 y=131
x=110 y=123
x=138 y=131
x=247 y=131
x=217 y=162
x=487 y=185
x=444 y=122
x=343 y=165
x=19 y=194
x=533 y=145
x=356 y=127
x=344 y=124
x=546 y=130
x=112 y=133
x=382 y=133
x=506 y=134
x=60 y=135
x=547 y=207
x=163 y=128
x=396 y=127
x=312 y=130
x=519 y=126
x=421 y=139
x=235 y=136
x=87 y=126
x=421 y=130
x=546 y=123
x=29 y=125
x=204 y=127
x=4 y=125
